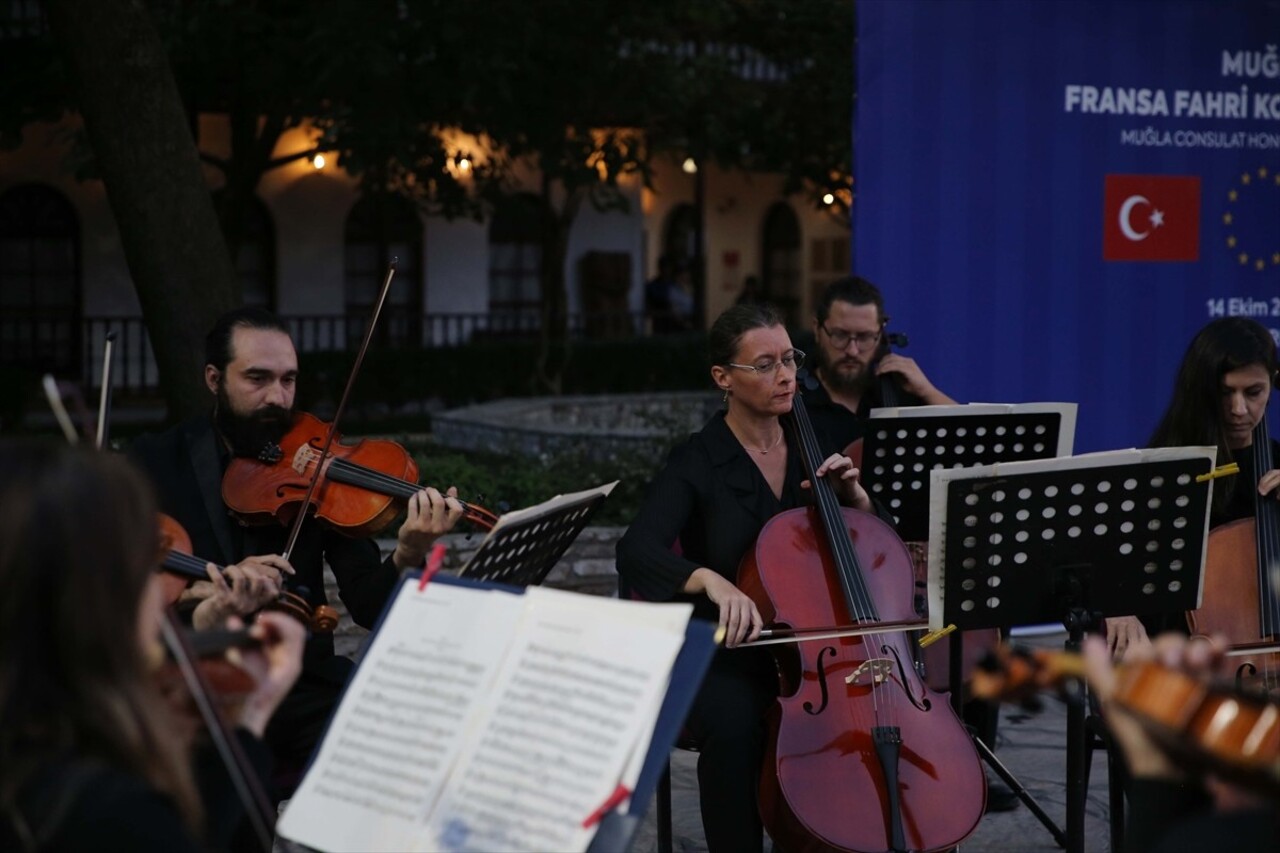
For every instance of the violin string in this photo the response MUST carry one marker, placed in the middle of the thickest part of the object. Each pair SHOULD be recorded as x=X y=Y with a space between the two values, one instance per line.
x=355 y=474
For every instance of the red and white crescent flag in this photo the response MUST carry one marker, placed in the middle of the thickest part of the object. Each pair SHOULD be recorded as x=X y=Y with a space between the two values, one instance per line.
x=1151 y=218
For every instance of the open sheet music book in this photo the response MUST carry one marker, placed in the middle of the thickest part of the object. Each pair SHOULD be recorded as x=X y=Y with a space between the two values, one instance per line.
x=487 y=719
x=1028 y=521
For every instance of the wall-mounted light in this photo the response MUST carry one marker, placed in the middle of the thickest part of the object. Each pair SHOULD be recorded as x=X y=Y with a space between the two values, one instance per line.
x=318 y=161
x=690 y=166
x=828 y=199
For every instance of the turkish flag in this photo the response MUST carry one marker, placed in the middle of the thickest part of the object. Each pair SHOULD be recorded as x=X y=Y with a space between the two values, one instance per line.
x=1151 y=218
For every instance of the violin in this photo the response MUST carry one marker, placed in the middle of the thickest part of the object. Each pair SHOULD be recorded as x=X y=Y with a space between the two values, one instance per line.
x=362 y=487
x=1200 y=723
x=854 y=716
x=1241 y=580
x=180 y=568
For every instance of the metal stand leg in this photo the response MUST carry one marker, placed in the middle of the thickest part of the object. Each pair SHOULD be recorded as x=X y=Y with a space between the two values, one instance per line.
x=1018 y=788
x=1077 y=766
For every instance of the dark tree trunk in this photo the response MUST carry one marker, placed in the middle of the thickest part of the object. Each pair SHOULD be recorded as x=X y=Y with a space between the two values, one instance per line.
x=136 y=124
x=553 y=337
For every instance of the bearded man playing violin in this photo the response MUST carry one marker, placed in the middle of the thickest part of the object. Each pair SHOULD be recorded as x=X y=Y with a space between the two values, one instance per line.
x=251 y=371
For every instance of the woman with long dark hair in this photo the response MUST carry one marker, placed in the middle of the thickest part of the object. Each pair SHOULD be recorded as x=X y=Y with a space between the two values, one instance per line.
x=1220 y=397
x=92 y=755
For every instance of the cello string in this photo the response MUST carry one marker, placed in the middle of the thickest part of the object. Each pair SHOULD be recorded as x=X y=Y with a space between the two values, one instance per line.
x=858 y=598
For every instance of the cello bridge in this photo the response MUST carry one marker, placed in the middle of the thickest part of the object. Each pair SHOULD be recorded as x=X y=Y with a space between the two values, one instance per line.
x=875 y=670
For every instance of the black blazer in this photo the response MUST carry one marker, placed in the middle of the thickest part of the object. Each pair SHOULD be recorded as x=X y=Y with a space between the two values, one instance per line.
x=186 y=463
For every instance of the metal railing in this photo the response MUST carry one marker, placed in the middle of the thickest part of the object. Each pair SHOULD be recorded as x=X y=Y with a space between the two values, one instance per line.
x=72 y=347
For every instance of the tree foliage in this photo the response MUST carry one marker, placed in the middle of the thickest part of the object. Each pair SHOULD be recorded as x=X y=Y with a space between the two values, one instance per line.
x=580 y=94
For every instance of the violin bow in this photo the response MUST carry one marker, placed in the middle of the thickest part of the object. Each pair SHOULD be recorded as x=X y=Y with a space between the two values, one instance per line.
x=342 y=406
x=247 y=786
x=104 y=397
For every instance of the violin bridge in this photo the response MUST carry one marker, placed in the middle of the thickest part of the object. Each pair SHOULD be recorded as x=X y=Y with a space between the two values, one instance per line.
x=877 y=670
x=303 y=458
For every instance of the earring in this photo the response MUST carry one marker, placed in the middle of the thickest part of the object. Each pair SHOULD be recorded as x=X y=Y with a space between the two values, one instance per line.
x=725 y=398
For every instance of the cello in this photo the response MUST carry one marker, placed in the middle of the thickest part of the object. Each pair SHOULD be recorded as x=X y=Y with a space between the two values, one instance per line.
x=854 y=720
x=1241 y=592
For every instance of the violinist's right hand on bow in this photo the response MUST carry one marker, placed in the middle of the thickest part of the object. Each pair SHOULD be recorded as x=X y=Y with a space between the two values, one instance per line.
x=274 y=665
x=738 y=614
x=238 y=591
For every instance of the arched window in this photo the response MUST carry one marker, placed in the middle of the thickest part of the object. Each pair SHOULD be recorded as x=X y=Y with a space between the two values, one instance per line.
x=515 y=262
x=679 y=242
x=680 y=247
x=39 y=279
x=255 y=257
x=780 y=250
x=381 y=227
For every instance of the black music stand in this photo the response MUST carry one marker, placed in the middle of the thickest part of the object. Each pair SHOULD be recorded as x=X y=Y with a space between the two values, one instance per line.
x=903 y=446
x=525 y=545
x=1070 y=540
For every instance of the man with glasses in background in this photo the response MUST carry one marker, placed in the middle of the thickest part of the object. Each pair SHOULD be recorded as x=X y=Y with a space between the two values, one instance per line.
x=852 y=358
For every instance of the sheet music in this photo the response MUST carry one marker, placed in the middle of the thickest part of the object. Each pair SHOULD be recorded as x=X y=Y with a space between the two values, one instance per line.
x=486 y=720
x=1065 y=411
x=388 y=750
x=939 y=479
x=576 y=692
x=551 y=505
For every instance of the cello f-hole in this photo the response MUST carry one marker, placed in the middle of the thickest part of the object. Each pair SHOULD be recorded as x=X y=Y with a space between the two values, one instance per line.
x=822 y=683
x=922 y=702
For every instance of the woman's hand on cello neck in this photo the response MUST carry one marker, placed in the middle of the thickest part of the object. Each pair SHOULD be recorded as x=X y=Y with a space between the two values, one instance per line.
x=739 y=617
x=844 y=479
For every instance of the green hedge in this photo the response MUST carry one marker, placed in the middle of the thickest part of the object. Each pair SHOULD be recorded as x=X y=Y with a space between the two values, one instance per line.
x=494 y=369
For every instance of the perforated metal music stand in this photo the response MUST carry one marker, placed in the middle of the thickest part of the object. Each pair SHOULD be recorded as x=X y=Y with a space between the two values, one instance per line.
x=902 y=447
x=1070 y=540
x=524 y=546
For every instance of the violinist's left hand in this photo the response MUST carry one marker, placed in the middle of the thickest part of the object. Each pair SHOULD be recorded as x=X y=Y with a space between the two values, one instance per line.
x=844 y=479
x=430 y=514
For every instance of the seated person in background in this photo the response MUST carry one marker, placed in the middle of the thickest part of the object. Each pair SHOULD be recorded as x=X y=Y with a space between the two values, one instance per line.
x=1220 y=396
x=1171 y=806
x=92 y=756
x=251 y=373
x=852 y=355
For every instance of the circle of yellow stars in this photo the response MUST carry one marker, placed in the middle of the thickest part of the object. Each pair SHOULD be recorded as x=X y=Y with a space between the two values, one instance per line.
x=1261 y=177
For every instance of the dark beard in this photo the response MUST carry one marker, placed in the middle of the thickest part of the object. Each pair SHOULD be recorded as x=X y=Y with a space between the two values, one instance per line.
x=250 y=435
x=842 y=382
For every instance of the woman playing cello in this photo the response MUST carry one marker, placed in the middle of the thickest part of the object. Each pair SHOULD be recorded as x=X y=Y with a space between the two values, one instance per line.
x=1219 y=398
x=91 y=756
x=714 y=495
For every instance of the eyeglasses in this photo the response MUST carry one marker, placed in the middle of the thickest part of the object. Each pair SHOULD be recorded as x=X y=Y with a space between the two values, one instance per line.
x=794 y=360
x=840 y=338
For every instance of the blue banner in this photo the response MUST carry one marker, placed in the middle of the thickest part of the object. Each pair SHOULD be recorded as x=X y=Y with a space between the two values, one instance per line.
x=1056 y=195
